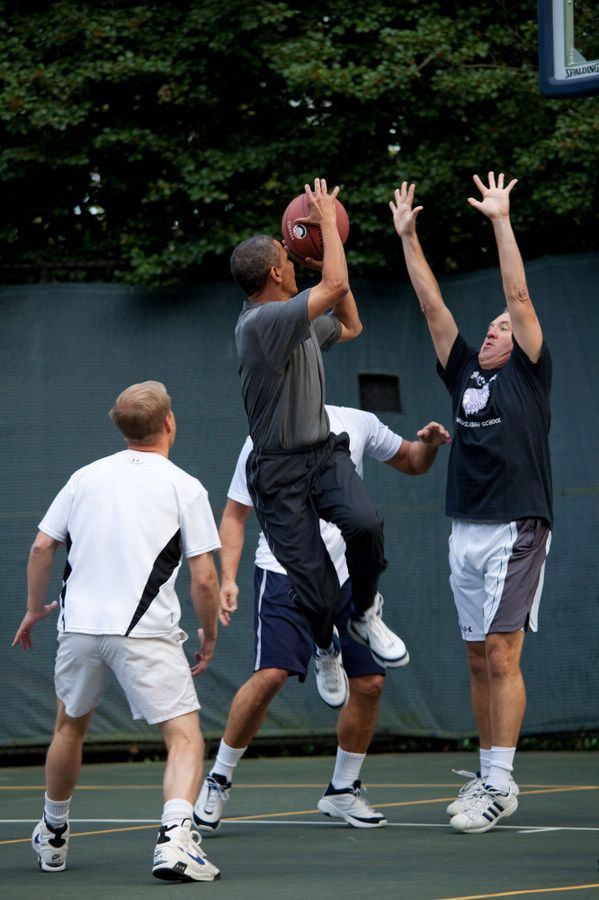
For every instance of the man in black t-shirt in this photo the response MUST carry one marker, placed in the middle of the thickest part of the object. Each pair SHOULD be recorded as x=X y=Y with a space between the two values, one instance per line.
x=498 y=494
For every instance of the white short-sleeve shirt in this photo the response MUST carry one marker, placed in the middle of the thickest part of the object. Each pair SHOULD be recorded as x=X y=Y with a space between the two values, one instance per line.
x=127 y=521
x=367 y=434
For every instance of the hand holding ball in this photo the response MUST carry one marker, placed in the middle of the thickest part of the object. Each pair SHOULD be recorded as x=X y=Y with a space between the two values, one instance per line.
x=304 y=239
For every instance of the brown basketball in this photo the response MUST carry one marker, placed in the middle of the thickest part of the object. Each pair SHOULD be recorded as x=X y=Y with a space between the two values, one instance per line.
x=304 y=240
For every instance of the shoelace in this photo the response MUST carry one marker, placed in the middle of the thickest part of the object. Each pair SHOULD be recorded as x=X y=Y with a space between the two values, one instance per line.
x=214 y=788
x=470 y=785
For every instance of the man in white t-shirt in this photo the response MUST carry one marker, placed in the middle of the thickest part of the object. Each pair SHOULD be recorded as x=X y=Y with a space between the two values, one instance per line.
x=283 y=642
x=126 y=521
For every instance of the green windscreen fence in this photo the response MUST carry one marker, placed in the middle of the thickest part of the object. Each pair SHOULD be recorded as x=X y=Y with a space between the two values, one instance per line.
x=68 y=350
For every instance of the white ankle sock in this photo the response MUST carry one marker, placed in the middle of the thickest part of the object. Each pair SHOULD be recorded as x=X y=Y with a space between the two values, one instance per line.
x=502 y=759
x=347 y=768
x=175 y=811
x=485 y=762
x=56 y=812
x=226 y=760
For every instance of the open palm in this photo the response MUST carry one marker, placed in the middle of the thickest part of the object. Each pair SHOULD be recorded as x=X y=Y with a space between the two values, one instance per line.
x=496 y=197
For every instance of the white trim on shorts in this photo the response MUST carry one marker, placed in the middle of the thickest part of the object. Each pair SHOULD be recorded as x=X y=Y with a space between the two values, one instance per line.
x=497 y=574
x=259 y=628
x=153 y=673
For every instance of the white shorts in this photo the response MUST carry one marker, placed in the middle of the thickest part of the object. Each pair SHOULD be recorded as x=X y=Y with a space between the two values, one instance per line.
x=153 y=673
x=497 y=572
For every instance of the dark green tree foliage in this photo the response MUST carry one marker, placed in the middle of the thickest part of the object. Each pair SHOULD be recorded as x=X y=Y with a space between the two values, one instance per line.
x=160 y=134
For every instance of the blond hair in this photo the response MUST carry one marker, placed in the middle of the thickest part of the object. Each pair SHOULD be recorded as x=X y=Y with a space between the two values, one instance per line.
x=140 y=410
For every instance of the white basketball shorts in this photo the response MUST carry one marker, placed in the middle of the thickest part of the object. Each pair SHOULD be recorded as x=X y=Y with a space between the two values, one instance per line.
x=153 y=673
x=497 y=571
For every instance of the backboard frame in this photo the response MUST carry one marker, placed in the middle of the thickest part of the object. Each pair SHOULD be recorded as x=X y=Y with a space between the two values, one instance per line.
x=563 y=72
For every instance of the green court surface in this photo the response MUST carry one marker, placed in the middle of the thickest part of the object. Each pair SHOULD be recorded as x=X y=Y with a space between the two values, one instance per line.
x=274 y=844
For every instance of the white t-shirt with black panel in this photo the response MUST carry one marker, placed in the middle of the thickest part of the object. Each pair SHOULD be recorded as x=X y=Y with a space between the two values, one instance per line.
x=127 y=520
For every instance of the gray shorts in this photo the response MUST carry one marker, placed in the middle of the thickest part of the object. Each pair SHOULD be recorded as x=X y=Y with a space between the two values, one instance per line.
x=153 y=673
x=497 y=572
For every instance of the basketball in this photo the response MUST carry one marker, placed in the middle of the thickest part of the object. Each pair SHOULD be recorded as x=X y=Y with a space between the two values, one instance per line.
x=302 y=239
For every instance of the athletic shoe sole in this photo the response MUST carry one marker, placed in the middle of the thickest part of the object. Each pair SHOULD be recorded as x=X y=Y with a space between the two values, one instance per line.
x=385 y=663
x=329 y=809
x=208 y=827
x=505 y=814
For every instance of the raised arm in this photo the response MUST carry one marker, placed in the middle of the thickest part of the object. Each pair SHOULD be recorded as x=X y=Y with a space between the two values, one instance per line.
x=416 y=457
x=205 y=599
x=333 y=289
x=441 y=324
x=495 y=205
x=232 y=537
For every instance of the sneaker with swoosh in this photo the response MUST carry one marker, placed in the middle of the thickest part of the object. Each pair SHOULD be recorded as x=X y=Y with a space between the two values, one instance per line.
x=179 y=857
x=50 y=845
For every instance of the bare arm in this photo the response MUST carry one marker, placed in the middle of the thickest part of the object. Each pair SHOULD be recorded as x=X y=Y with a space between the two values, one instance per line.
x=333 y=287
x=39 y=569
x=495 y=205
x=441 y=324
x=232 y=537
x=416 y=457
x=205 y=599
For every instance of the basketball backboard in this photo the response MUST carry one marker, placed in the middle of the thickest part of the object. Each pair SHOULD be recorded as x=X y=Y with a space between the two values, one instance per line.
x=568 y=47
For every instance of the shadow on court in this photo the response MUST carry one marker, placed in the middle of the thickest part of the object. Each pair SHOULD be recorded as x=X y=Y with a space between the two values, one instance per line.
x=275 y=845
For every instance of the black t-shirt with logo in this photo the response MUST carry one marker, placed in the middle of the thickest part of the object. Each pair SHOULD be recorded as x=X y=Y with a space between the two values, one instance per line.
x=499 y=465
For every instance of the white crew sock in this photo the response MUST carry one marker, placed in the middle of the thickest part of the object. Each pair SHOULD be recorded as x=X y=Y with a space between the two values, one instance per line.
x=56 y=812
x=347 y=768
x=175 y=811
x=502 y=759
x=226 y=760
x=485 y=763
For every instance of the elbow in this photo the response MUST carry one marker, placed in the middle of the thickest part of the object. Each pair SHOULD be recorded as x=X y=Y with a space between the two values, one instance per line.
x=339 y=289
x=517 y=294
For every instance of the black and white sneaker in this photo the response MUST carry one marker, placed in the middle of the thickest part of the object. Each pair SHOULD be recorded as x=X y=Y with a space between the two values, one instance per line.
x=386 y=647
x=485 y=810
x=350 y=805
x=179 y=857
x=50 y=845
x=208 y=810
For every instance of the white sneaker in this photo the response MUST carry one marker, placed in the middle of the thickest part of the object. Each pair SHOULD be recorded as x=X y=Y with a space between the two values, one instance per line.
x=179 y=857
x=468 y=790
x=51 y=845
x=208 y=810
x=349 y=804
x=331 y=677
x=485 y=810
x=386 y=647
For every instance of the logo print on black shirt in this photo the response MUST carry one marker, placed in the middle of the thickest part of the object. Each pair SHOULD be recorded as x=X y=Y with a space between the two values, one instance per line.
x=476 y=398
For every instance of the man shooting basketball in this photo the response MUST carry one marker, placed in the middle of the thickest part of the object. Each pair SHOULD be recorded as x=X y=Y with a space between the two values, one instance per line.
x=298 y=471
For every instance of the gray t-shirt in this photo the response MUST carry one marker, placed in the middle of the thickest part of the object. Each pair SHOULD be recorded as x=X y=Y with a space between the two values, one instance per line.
x=282 y=376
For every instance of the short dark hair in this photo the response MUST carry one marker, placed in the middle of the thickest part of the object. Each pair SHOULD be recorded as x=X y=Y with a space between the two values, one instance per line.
x=251 y=262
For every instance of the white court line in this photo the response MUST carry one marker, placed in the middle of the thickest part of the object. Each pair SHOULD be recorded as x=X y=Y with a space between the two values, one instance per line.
x=523 y=829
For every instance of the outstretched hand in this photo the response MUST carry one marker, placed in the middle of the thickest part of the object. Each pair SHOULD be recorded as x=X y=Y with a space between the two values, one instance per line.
x=496 y=197
x=434 y=435
x=404 y=216
x=23 y=635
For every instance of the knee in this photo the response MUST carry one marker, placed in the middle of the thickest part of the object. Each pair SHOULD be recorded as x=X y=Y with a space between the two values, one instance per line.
x=501 y=662
x=367 y=688
x=477 y=660
x=366 y=526
x=270 y=681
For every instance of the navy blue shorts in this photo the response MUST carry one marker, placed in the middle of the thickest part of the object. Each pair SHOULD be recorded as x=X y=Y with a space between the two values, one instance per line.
x=282 y=637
